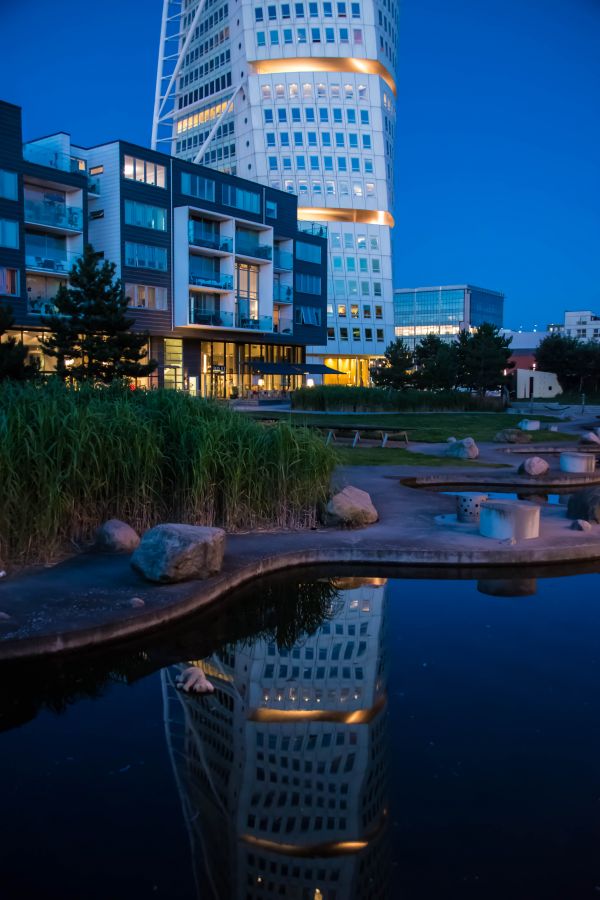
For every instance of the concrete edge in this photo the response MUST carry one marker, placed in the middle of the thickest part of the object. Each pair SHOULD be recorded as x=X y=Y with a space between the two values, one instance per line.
x=217 y=587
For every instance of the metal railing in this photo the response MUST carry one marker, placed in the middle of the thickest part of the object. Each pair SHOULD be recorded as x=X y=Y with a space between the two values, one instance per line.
x=213 y=318
x=316 y=228
x=212 y=280
x=283 y=260
x=50 y=262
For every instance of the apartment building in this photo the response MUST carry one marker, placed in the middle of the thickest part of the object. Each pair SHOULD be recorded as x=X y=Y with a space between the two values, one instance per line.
x=229 y=286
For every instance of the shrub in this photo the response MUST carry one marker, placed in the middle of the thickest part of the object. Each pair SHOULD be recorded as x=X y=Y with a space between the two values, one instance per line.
x=372 y=399
x=72 y=458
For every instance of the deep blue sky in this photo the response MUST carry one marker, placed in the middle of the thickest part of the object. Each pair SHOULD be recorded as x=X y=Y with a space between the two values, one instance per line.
x=498 y=135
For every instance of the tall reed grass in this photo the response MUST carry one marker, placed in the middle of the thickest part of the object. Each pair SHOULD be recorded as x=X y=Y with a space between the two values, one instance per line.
x=71 y=459
x=329 y=398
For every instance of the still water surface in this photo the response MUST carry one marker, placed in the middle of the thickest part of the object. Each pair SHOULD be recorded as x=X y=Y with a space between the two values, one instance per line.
x=367 y=738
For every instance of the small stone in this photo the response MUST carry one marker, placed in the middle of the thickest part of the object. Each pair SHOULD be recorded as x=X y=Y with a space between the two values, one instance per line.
x=171 y=553
x=136 y=602
x=534 y=466
x=351 y=507
x=117 y=536
x=581 y=525
x=553 y=428
x=510 y=541
x=512 y=436
x=589 y=437
x=4 y=617
x=451 y=440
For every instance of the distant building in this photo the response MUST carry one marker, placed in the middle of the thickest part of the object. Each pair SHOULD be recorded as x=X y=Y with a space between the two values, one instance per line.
x=444 y=311
x=582 y=324
x=523 y=346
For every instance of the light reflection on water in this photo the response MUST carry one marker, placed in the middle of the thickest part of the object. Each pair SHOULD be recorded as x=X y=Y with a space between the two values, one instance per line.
x=366 y=738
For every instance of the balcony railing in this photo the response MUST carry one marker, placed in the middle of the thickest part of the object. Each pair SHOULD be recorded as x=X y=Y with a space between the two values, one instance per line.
x=94 y=185
x=257 y=323
x=59 y=263
x=56 y=214
x=284 y=325
x=316 y=228
x=212 y=280
x=247 y=247
x=283 y=260
x=283 y=293
x=213 y=318
x=200 y=238
x=41 y=306
x=54 y=159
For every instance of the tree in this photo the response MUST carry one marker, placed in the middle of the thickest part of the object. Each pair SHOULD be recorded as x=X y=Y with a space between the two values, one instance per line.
x=13 y=353
x=566 y=357
x=483 y=358
x=436 y=362
x=90 y=335
x=396 y=370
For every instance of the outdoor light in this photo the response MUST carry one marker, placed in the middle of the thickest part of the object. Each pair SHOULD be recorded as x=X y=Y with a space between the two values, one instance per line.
x=310 y=382
x=261 y=382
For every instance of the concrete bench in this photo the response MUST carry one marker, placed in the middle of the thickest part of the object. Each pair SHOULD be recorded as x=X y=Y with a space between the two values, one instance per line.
x=506 y=519
x=332 y=434
x=577 y=462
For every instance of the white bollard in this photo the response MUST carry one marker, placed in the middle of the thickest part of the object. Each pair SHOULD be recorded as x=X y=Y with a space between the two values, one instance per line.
x=577 y=462
x=506 y=519
x=468 y=507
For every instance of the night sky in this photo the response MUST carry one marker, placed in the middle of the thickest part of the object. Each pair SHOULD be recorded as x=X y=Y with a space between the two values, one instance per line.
x=498 y=133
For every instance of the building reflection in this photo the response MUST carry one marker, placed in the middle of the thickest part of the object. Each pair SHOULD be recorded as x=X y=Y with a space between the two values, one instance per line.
x=282 y=771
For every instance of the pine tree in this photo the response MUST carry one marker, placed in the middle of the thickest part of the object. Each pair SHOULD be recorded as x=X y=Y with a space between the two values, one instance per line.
x=13 y=353
x=396 y=371
x=90 y=335
x=436 y=363
x=482 y=358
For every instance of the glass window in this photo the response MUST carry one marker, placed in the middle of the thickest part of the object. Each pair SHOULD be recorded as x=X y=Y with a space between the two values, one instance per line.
x=380 y=335
x=9 y=282
x=356 y=334
x=198 y=186
x=146 y=296
x=308 y=252
x=341 y=310
x=145 y=216
x=143 y=256
x=271 y=209
x=379 y=312
x=308 y=284
x=9 y=186
x=9 y=234
x=144 y=171
x=240 y=199
x=343 y=334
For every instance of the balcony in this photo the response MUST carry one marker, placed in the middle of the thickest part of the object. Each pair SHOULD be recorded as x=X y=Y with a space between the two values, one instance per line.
x=40 y=306
x=284 y=325
x=56 y=263
x=210 y=318
x=253 y=323
x=198 y=237
x=53 y=159
x=246 y=246
x=56 y=215
x=282 y=293
x=94 y=186
x=212 y=280
x=283 y=260
x=316 y=228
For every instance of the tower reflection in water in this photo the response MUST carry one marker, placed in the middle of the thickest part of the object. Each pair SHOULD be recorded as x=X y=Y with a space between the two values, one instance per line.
x=282 y=771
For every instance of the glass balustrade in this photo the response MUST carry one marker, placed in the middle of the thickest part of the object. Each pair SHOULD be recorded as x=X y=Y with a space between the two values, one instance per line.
x=199 y=315
x=211 y=280
x=54 y=159
x=283 y=293
x=283 y=260
x=316 y=228
x=199 y=237
x=248 y=247
x=60 y=262
x=284 y=325
x=47 y=212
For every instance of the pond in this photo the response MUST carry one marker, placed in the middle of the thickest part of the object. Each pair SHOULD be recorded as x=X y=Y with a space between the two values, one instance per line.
x=367 y=737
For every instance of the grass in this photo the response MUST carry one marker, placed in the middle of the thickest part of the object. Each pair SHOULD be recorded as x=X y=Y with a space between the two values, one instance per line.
x=70 y=459
x=430 y=428
x=394 y=456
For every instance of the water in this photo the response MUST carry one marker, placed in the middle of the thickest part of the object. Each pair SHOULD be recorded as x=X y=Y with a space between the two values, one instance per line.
x=366 y=739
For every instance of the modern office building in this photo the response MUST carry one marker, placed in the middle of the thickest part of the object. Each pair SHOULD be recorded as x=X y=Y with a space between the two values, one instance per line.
x=444 y=311
x=299 y=97
x=282 y=771
x=230 y=291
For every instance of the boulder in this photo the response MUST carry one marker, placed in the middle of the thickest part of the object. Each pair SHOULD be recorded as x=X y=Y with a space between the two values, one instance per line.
x=117 y=536
x=465 y=449
x=351 y=507
x=534 y=466
x=451 y=440
x=170 y=553
x=513 y=436
x=585 y=505
x=581 y=525
x=589 y=437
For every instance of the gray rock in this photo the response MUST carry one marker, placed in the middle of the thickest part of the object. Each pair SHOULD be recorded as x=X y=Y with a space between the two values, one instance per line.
x=534 y=466
x=581 y=525
x=465 y=449
x=170 y=553
x=117 y=536
x=351 y=507
x=136 y=602
x=451 y=440
x=513 y=436
x=585 y=505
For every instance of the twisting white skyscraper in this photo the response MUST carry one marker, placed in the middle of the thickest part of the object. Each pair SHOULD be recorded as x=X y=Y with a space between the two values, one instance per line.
x=300 y=96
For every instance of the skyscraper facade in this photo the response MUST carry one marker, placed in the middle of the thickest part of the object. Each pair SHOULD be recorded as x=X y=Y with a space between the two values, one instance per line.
x=301 y=97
